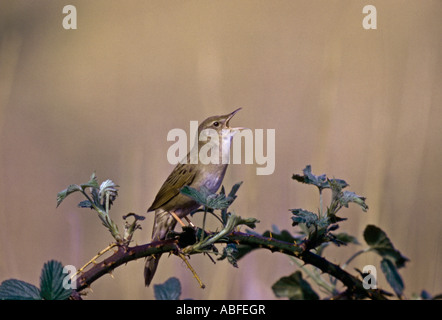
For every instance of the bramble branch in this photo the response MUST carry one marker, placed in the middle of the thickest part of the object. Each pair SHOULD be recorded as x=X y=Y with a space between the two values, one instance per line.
x=353 y=284
x=122 y=256
x=127 y=254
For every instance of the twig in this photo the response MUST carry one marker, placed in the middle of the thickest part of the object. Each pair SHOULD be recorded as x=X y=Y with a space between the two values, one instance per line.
x=329 y=288
x=183 y=257
x=99 y=254
x=177 y=218
x=354 y=256
x=204 y=223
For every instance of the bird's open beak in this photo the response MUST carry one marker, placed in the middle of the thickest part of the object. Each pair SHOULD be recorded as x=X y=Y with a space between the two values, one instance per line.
x=230 y=116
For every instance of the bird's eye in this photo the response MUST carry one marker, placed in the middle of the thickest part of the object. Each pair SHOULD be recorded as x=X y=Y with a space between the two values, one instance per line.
x=216 y=123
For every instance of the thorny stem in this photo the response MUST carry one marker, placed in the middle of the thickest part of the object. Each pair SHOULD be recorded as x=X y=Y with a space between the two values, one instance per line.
x=126 y=254
x=121 y=256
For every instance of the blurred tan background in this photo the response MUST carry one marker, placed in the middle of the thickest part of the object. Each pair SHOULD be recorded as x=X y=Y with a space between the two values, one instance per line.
x=362 y=105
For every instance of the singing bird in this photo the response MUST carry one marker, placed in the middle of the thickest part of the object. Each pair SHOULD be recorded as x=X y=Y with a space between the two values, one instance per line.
x=169 y=204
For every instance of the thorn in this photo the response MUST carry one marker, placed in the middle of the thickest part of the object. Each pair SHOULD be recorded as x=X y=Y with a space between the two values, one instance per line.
x=214 y=262
x=82 y=281
x=111 y=274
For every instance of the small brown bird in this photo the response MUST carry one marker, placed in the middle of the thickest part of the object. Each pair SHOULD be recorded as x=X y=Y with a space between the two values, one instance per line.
x=169 y=204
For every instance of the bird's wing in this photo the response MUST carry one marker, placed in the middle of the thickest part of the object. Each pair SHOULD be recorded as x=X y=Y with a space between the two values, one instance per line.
x=182 y=175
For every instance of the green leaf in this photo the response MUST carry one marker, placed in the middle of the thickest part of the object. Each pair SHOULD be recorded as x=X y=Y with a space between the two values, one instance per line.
x=85 y=204
x=64 y=193
x=320 y=181
x=230 y=252
x=308 y=218
x=392 y=275
x=379 y=242
x=92 y=183
x=349 y=196
x=169 y=290
x=51 y=282
x=342 y=199
x=249 y=222
x=437 y=297
x=199 y=196
x=14 y=289
x=232 y=193
x=294 y=288
x=135 y=216
x=425 y=295
x=346 y=238
x=211 y=200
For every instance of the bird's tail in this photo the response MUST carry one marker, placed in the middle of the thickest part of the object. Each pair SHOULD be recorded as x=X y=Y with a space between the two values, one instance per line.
x=164 y=222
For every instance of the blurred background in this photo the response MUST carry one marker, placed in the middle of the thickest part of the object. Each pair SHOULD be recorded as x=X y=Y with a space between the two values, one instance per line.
x=361 y=105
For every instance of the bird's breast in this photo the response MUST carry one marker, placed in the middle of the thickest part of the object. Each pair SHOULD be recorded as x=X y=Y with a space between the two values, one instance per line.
x=213 y=177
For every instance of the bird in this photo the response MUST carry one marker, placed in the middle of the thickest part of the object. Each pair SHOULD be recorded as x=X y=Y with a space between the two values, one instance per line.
x=214 y=137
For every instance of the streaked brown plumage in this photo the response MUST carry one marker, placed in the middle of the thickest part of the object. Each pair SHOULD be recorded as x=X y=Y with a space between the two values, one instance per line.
x=169 y=199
